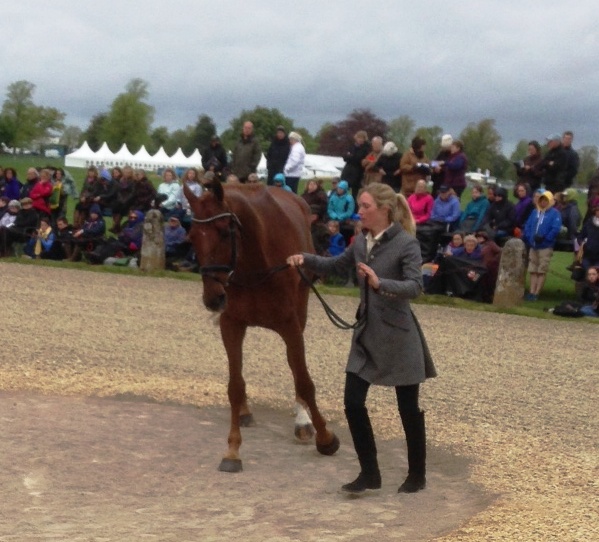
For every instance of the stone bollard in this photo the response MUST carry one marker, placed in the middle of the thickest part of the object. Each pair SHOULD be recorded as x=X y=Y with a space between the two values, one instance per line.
x=509 y=290
x=152 y=246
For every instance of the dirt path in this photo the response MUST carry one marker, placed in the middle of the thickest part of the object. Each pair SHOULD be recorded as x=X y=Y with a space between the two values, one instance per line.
x=515 y=400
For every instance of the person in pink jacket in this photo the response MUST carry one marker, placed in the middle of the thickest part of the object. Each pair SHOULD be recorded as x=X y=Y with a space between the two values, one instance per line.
x=421 y=202
x=40 y=193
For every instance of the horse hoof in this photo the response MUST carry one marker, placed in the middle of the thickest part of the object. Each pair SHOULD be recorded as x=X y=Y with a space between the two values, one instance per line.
x=230 y=465
x=330 y=448
x=247 y=420
x=304 y=433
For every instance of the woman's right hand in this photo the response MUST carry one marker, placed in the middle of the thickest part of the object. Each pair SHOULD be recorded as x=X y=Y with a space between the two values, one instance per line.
x=295 y=260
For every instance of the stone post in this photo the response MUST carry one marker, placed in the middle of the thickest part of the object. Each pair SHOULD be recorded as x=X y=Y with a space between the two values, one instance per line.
x=509 y=290
x=152 y=246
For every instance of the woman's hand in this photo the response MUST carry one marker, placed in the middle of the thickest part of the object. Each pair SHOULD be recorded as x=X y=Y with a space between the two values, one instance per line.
x=295 y=260
x=367 y=272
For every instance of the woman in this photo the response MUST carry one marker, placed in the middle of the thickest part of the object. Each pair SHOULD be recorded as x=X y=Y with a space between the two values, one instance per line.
x=421 y=203
x=12 y=185
x=169 y=192
x=524 y=205
x=388 y=166
x=144 y=192
x=123 y=199
x=455 y=168
x=387 y=260
x=474 y=214
x=589 y=235
x=353 y=171
x=590 y=293
x=314 y=195
x=529 y=170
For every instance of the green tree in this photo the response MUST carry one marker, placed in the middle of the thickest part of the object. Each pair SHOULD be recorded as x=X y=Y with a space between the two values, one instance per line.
x=432 y=135
x=130 y=117
x=159 y=137
x=93 y=133
x=401 y=132
x=71 y=137
x=203 y=131
x=308 y=140
x=589 y=155
x=24 y=123
x=520 y=151
x=180 y=139
x=482 y=144
x=265 y=122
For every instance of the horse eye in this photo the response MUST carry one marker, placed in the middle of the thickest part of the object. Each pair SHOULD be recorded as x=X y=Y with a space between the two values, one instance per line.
x=224 y=234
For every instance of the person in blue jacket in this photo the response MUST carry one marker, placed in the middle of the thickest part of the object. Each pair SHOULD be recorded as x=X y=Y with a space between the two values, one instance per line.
x=446 y=209
x=279 y=180
x=540 y=233
x=341 y=204
x=473 y=215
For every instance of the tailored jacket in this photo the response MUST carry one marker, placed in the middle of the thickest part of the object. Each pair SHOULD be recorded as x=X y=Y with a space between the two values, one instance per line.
x=389 y=349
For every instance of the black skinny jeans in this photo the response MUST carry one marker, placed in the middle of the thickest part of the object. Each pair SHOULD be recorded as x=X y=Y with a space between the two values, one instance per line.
x=356 y=390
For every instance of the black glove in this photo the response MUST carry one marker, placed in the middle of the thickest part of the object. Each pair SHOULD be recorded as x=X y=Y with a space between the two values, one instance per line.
x=539 y=239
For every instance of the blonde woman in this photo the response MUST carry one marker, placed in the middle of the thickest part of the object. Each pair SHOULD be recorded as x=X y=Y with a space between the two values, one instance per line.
x=389 y=348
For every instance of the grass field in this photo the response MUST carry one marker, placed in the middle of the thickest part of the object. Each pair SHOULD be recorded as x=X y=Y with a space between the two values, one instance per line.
x=558 y=287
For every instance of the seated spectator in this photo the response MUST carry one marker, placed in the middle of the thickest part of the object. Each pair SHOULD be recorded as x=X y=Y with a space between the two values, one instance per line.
x=336 y=239
x=40 y=192
x=469 y=250
x=589 y=235
x=590 y=293
x=473 y=215
x=123 y=199
x=499 y=221
x=524 y=206
x=279 y=181
x=105 y=192
x=12 y=185
x=491 y=257
x=253 y=179
x=144 y=192
x=341 y=204
x=334 y=185
x=86 y=197
x=446 y=209
x=168 y=193
x=175 y=239
x=10 y=215
x=457 y=241
x=43 y=243
x=23 y=227
x=230 y=179
x=319 y=231
x=90 y=234
x=4 y=201
x=64 y=237
x=421 y=203
x=314 y=195
x=540 y=233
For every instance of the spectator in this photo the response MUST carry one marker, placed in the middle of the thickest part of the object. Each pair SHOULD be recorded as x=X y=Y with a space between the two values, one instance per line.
x=540 y=233
x=131 y=235
x=86 y=197
x=572 y=158
x=421 y=203
x=123 y=200
x=12 y=185
x=371 y=173
x=279 y=180
x=457 y=242
x=190 y=178
x=524 y=205
x=91 y=233
x=253 y=178
x=64 y=237
x=499 y=221
x=334 y=185
x=589 y=235
x=529 y=170
x=43 y=242
x=491 y=256
x=554 y=165
x=246 y=154
x=336 y=239
x=231 y=178
x=446 y=209
x=277 y=153
x=40 y=192
x=590 y=293
x=175 y=239
x=455 y=168
x=316 y=198
x=32 y=178
x=592 y=194
x=568 y=208
x=23 y=227
x=144 y=193
x=388 y=166
x=341 y=204
x=474 y=214
x=294 y=167
x=413 y=166
x=105 y=192
x=214 y=157
x=168 y=192
x=438 y=164
x=319 y=231
x=10 y=214
x=353 y=171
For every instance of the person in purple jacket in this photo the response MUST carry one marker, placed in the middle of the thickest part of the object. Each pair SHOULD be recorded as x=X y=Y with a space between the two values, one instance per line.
x=455 y=168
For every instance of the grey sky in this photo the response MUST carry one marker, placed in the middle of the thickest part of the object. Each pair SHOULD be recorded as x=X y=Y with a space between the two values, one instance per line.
x=532 y=66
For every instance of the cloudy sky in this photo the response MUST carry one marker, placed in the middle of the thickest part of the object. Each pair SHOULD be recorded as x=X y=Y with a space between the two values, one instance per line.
x=531 y=66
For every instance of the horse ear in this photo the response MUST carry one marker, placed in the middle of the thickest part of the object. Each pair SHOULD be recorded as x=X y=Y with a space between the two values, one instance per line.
x=189 y=195
x=217 y=189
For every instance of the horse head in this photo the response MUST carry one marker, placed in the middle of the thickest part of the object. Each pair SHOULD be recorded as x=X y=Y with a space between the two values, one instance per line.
x=213 y=235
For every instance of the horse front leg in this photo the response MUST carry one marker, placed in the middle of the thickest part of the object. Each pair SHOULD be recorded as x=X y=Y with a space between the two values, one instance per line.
x=327 y=442
x=233 y=334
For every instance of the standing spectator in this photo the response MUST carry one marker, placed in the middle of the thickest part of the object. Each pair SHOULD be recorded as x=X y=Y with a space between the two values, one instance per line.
x=568 y=208
x=592 y=194
x=215 y=157
x=540 y=233
x=499 y=222
x=40 y=193
x=474 y=214
x=387 y=165
x=316 y=198
x=371 y=173
x=572 y=158
x=421 y=203
x=277 y=153
x=437 y=165
x=413 y=166
x=554 y=165
x=12 y=185
x=353 y=171
x=247 y=153
x=294 y=166
x=455 y=168
x=529 y=170
x=524 y=205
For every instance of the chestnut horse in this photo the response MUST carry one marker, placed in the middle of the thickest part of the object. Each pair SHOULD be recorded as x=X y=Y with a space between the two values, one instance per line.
x=242 y=236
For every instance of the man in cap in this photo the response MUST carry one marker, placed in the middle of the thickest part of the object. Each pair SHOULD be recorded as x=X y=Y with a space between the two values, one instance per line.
x=554 y=165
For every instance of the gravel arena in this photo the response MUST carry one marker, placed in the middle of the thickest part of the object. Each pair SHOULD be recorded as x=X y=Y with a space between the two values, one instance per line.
x=114 y=418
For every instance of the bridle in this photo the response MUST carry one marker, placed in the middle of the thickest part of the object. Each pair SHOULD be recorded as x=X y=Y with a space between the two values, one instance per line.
x=212 y=271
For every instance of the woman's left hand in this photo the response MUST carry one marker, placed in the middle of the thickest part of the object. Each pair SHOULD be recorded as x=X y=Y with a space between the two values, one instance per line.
x=365 y=271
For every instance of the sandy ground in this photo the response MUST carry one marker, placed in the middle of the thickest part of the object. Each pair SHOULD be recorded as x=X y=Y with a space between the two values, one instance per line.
x=517 y=397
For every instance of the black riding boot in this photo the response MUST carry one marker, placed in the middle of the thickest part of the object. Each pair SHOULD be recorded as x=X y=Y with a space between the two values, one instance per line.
x=363 y=437
x=414 y=428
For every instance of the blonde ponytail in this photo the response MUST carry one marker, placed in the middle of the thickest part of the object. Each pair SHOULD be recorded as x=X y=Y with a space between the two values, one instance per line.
x=404 y=215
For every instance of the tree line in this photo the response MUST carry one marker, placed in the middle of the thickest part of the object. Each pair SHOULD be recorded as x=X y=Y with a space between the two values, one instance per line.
x=130 y=118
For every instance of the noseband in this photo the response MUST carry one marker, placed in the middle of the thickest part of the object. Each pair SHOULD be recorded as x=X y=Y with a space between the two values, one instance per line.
x=212 y=271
